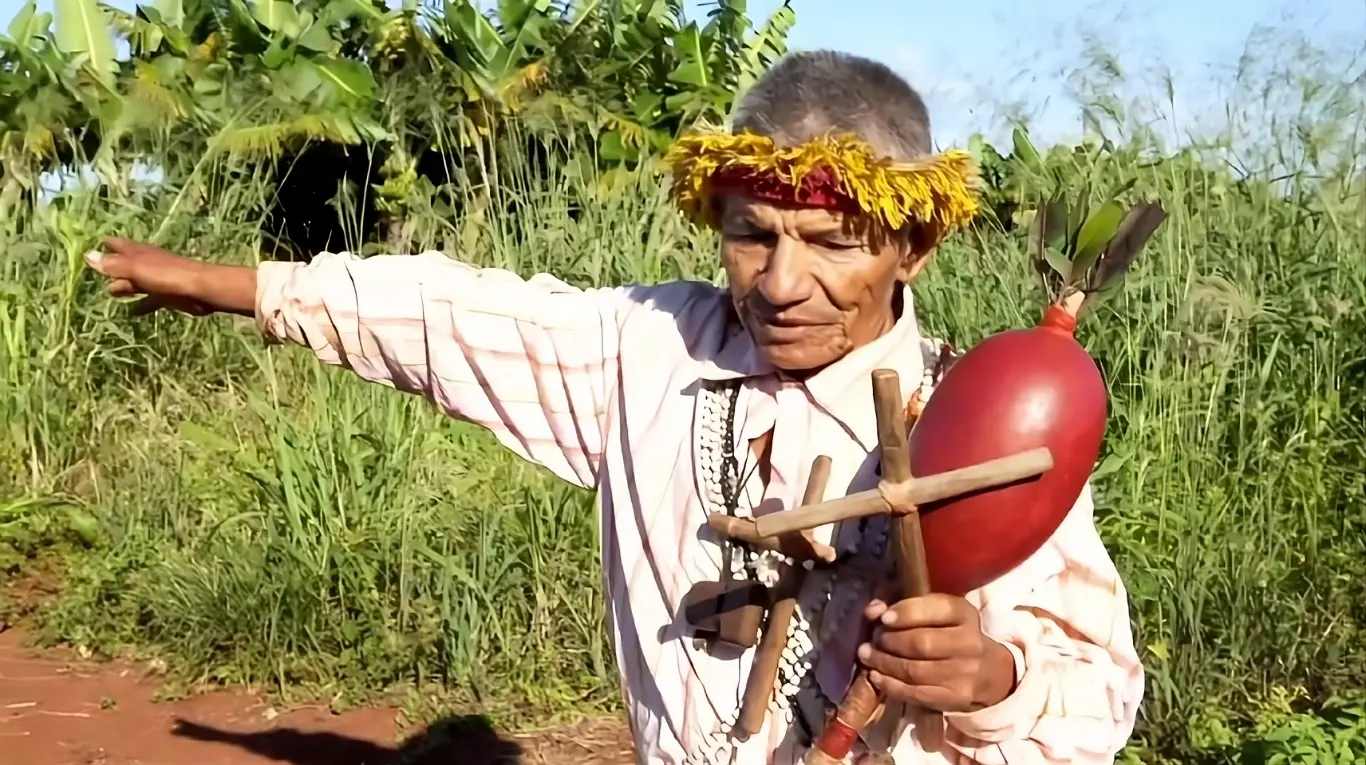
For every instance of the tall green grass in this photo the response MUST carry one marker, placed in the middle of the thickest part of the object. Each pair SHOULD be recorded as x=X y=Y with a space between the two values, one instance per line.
x=250 y=516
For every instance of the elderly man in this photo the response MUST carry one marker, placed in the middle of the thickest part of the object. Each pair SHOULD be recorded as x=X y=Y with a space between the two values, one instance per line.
x=678 y=400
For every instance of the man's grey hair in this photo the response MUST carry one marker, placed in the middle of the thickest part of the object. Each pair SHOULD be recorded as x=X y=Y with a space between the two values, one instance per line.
x=808 y=94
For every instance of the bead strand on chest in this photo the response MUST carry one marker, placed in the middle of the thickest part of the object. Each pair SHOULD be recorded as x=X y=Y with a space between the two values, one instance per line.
x=810 y=628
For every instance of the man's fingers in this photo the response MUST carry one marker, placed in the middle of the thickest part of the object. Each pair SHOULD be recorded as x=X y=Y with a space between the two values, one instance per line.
x=149 y=304
x=874 y=610
x=122 y=288
x=883 y=595
x=927 y=643
x=914 y=671
x=153 y=303
x=934 y=610
x=102 y=262
x=928 y=696
x=183 y=305
x=118 y=244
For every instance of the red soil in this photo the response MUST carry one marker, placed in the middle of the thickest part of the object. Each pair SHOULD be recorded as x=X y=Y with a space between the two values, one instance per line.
x=56 y=709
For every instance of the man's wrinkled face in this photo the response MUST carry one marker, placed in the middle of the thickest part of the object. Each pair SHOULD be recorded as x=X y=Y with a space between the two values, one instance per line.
x=810 y=285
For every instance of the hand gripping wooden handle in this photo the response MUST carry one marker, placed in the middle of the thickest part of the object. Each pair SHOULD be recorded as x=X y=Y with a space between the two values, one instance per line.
x=862 y=701
x=764 y=672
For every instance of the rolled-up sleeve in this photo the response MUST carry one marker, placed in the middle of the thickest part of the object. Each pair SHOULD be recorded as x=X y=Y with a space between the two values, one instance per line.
x=532 y=360
x=1064 y=615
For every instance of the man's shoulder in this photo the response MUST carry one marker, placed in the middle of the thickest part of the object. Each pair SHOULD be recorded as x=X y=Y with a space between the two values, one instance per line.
x=683 y=319
x=690 y=307
x=675 y=296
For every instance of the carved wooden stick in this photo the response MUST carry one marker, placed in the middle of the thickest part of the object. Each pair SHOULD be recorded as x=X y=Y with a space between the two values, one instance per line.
x=862 y=701
x=802 y=547
x=918 y=491
x=764 y=672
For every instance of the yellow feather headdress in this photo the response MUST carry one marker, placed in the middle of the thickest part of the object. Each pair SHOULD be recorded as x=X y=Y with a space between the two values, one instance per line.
x=939 y=193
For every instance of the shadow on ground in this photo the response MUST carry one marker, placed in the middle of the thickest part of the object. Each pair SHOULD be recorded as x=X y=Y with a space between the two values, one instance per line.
x=467 y=740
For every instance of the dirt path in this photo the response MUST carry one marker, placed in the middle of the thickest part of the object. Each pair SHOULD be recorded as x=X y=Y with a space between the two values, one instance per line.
x=58 y=710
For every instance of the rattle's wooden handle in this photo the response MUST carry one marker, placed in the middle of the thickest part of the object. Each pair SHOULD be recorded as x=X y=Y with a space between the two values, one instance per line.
x=913 y=573
x=764 y=672
x=862 y=701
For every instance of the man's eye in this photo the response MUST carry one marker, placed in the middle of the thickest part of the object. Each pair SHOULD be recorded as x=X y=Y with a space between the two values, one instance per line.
x=831 y=244
x=751 y=235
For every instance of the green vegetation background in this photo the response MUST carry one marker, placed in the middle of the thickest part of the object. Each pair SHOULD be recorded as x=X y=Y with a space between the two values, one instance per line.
x=246 y=515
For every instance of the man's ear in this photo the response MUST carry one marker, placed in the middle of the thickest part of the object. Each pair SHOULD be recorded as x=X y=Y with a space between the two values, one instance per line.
x=912 y=263
x=916 y=250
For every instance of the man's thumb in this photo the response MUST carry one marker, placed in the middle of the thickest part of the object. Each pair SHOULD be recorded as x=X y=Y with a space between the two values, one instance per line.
x=98 y=261
x=107 y=263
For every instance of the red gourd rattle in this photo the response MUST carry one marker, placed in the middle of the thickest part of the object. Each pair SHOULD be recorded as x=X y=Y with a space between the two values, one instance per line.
x=1003 y=448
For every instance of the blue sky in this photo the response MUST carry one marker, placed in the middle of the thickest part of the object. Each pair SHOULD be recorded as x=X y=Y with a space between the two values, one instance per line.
x=970 y=57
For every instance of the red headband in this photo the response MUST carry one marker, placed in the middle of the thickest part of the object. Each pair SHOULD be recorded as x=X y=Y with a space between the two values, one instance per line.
x=820 y=188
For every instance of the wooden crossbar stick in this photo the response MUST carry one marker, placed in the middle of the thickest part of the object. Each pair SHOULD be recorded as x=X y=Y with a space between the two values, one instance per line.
x=916 y=491
x=801 y=547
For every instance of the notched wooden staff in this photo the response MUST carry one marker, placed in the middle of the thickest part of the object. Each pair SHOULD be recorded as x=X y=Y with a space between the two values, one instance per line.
x=899 y=495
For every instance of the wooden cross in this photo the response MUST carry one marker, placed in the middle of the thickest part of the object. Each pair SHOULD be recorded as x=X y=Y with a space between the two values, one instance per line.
x=898 y=496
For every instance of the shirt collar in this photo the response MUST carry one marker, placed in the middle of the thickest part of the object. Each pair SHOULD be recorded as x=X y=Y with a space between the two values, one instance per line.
x=843 y=389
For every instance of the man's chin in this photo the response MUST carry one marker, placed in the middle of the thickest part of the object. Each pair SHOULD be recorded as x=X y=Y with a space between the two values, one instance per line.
x=795 y=359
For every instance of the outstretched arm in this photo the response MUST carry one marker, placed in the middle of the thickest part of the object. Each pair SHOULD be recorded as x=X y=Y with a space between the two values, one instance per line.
x=534 y=361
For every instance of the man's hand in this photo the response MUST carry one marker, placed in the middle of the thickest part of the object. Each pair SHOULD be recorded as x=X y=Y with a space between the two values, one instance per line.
x=930 y=651
x=170 y=281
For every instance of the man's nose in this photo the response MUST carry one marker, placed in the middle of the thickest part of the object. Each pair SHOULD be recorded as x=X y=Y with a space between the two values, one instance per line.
x=787 y=277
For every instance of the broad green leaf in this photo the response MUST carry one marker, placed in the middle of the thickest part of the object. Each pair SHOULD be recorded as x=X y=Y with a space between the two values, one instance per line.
x=1049 y=227
x=172 y=11
x=473 y=89
x=611 y=148
x=474 y=30
x=645 y=106
x=680 y=103
x=276 y=55
x=279 y=16
x=1095 y=233
x=660 y=140
x=519 y=50
x=21 y=26
x=82 y=30
x=351 y=78
x=1077 y=216
x=177 y=39
x=317 y=38
x=1024 y=150
x=692 y=67
x=301 y=78
x=41 y=26
x=1058 y=262
x=513 y=14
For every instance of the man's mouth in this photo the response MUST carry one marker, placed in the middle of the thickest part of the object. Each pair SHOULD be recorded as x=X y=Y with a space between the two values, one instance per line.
x=789 y=322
